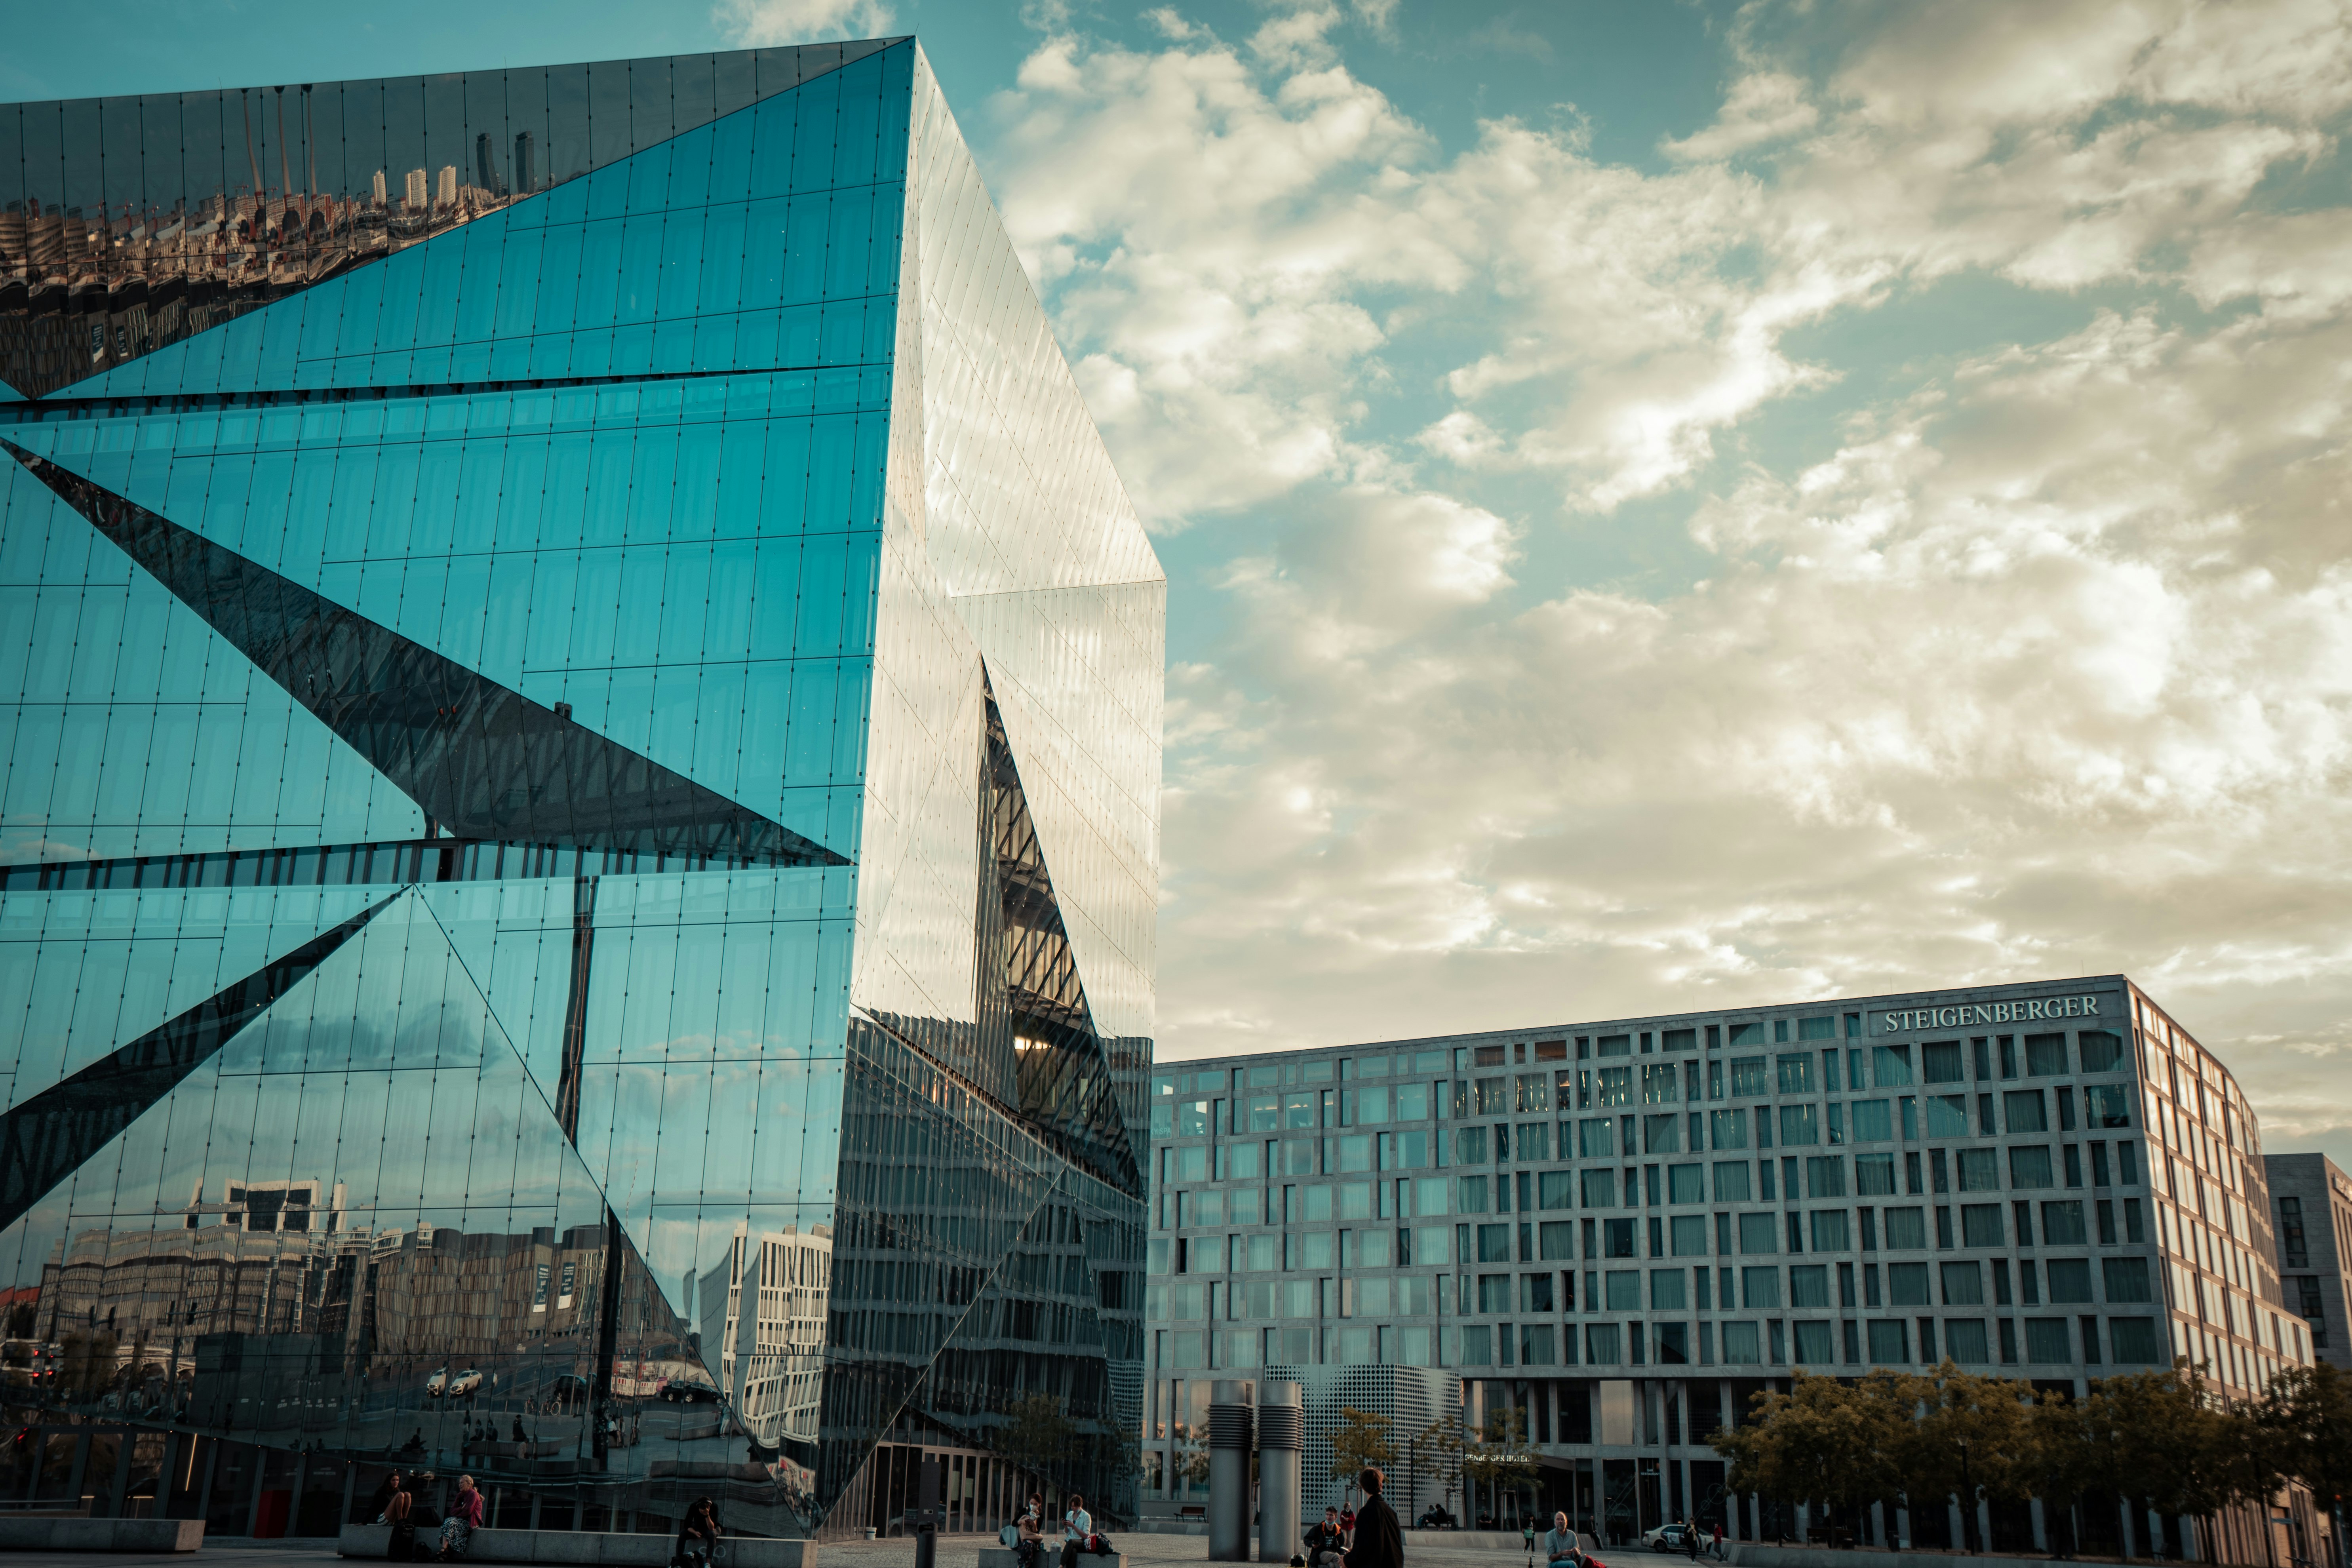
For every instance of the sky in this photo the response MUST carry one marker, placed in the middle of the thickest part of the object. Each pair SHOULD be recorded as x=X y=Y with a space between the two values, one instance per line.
x=1666 y=506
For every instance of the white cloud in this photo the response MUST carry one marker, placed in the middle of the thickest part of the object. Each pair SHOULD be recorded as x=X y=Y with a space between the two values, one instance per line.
x=758 y=24
x=2036 y=662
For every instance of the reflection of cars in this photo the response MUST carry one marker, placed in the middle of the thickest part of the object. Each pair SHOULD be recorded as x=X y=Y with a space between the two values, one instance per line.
x=679 y=1391
x=1667 y=1538
x=436 y=1385
x=464 y=1383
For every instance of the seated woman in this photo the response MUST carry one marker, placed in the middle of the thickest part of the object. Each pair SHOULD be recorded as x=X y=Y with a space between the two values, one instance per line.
x=697 y=1534
x=464 y=1518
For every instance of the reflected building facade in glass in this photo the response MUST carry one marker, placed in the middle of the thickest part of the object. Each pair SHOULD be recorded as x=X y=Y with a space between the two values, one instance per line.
x=578 y=834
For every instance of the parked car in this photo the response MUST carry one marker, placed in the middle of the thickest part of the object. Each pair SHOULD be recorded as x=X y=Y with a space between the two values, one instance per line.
x=1667 y=1538
x=464 y=1383
x=437 y=1384
x=679 y=1391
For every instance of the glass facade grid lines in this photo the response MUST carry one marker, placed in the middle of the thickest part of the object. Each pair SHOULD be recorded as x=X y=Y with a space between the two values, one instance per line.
x=619 y=912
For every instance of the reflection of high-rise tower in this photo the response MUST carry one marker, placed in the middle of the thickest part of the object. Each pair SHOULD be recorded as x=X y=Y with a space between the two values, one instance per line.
x=417 y=190
x=526 y=164
x=375 y=189
x=446 y=194
x=486 y=172
x=769 y=1360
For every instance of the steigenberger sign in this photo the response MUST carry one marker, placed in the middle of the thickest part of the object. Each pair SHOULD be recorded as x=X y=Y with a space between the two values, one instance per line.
x=2029 y=1011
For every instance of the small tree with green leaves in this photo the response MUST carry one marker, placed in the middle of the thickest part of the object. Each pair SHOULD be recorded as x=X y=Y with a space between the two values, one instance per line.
x=1824 y=1441
x=2163 y=1439
x=1501 y=1457
x=2306 y=1419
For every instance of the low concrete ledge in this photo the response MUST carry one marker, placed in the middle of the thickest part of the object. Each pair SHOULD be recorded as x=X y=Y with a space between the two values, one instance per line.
x=1748 y=1554
x=18 y=1533
x=588 y=1548
x=1050 y=1557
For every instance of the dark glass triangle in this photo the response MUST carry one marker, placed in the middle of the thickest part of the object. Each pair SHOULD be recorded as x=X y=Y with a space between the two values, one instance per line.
x=47 y=1138
x=481 y=761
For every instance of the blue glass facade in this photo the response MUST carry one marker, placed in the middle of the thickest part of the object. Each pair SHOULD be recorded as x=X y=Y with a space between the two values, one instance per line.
x=577 y=847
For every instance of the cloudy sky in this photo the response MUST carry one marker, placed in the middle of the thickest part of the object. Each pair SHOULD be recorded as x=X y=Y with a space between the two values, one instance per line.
x=1668 y=506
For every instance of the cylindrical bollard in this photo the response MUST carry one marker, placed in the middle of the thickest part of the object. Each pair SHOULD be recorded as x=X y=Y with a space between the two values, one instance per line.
x=1281 y=1436
x=1229 y=1479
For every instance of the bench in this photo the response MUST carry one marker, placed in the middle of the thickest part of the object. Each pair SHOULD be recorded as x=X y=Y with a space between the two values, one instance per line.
x=1050 y=1557
x=21 y=1533
x=590 y=1549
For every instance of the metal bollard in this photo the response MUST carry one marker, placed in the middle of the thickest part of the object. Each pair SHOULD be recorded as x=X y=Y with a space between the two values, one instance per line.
x=1281 y=1436
x=1228 y=1477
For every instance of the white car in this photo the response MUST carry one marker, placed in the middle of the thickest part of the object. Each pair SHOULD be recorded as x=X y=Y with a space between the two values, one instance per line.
x=1667 y=1538
x=464 y=1383
x=435 y=1384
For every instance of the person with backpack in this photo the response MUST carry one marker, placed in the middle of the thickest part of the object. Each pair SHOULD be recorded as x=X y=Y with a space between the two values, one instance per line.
x=1326 y=1544
x=1079 y=1527
x=1029 y=1539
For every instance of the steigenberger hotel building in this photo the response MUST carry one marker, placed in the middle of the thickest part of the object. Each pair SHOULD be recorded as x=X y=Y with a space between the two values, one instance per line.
x=1626 y=1227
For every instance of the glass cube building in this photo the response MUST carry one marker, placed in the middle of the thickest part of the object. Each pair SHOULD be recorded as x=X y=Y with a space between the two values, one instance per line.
x=578 y=842
x=1625 y=1228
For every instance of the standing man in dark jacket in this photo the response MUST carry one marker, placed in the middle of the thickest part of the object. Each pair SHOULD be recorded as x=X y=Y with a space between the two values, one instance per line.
x=1380 y=1540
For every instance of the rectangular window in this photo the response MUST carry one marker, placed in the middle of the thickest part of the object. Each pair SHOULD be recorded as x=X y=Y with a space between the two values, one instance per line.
x=2068 y=1279
x=1492 y=1096
x=1748 y=1076
x=2102 y=1052
x=1688 y=1234
x=1602 y=1344
x=1433 y=1246
x=1413 y=1102
x=1661 y=1134
x=1907 y=1285
x=2045 y=1056
x=1796 y=1072
x=1658 y=1081
x=1873 y=1175
x=1940 y=1062
x=1596 y=1138
x=1759 y=1288
x=1799 y=1125
x=1616 y=1087
x=1315 y=1250
x=2134 y=1342
x=1906 y=1229
x=1470 y=1145
x=1471 y=1195
x=1824 y=1176
x=1685 y=1184
x=1600 y=1188
x=1477 y=1344
x=2107 y=1105
x=1947 y=1116
x=1731 y=1181
x=1873 y=1120
x=2025 y=1110
x=1621 y=1289
x=1890 y=1066
x=1963 y=1285
x=1741 y=1345
x=1980 y=1225
x=1890 y=1341
x=1494 y=1244
x=1809 y=1285
x=1824 y=1028
x=2126 y=1279
x=1555 y=1240
x=1830 y=1233
x=1669 y=1289
x=1979 y=1170
x=1758 y=1233
x=1557 y=1189
x=1371 y=1105
x=1964 y=1339
x=1617 y=1238
x=1614 y=1045
x=1728 y=1128
x=1534 y=1140
x=2062 y=1224
x=2029 y=1167
x=2047 y=1343
x=1493 y=1293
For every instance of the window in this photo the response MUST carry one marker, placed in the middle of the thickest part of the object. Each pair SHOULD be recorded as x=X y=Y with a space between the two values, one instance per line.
x=1872 y=1122
x=1470 y=1145
x=1731 y=1183
x=2029 y=1167
x=1615 y=1045
x=1535 y=1344
x=1556 y=1239
x=1979 y=1170
x=1472 y=1197
x=1940 y=1062
x=1685 y=1184
x=1726 y=1128
x=1759 y=1288
x=1534 y=1140
x=1413 y=1102
x=1596 y=1138
x=1371 y=1105
x=1964 y=1341
x=1799 y=1125
x=1890 y=1066
x=1688 y=1234
x=1907 y=1285
x=1600 y=1188
x=1661 y=1134
x=2125 y=1280
x=1658 y=1081
x=1980 y=1225
x=1621 y=1289
x=1535 y=1293
x=2045 y=1056
x=1678 y=1040
x=2133 y=1341
x=1534 y=1091
x=1758 y=1233
x=1602 y=1344
x=1557 y=1189
x=1947 y=1116
x=1874 y=1174
x=2107 y=1105
x=1617 y=1238
x=1477 y=1344
x=1809 y=1285
x=1748 y=1078
x=1616 y=1087
x=1890 y=1342
x=2024 y=1110
x=1963 y=1285
x=1315 y=1250
x=1743 y=1034
x=1829 y=1231
x=2047 y=1343
x=1494 y=1096
x=1432 y=1246
x=1668 y=1289
x=1741 y=1347
x=1817 y=1028
x=2069 y=1278
x=2307 y=1304
x=2062 y=1225
x=1824 y=1176
x=1796 y=1072
x=1906 y=1229
x=1811 y=1344
x=2102 y=1052
x=2295 y=1248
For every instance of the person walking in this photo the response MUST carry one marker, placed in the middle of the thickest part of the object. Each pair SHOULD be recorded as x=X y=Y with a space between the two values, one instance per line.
x=1379 y=1539
x=464 y=1518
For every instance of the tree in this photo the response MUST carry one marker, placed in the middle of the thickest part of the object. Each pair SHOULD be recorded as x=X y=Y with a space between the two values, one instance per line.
x=2305 y=1421
x=2163 y=1439
x=1824 y=1441
x=1361 y=1439
x=1037 y=1437
x=1500 y=1457
x=2063 y=1463
x=1440 y=1441
x=1973 y=1440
